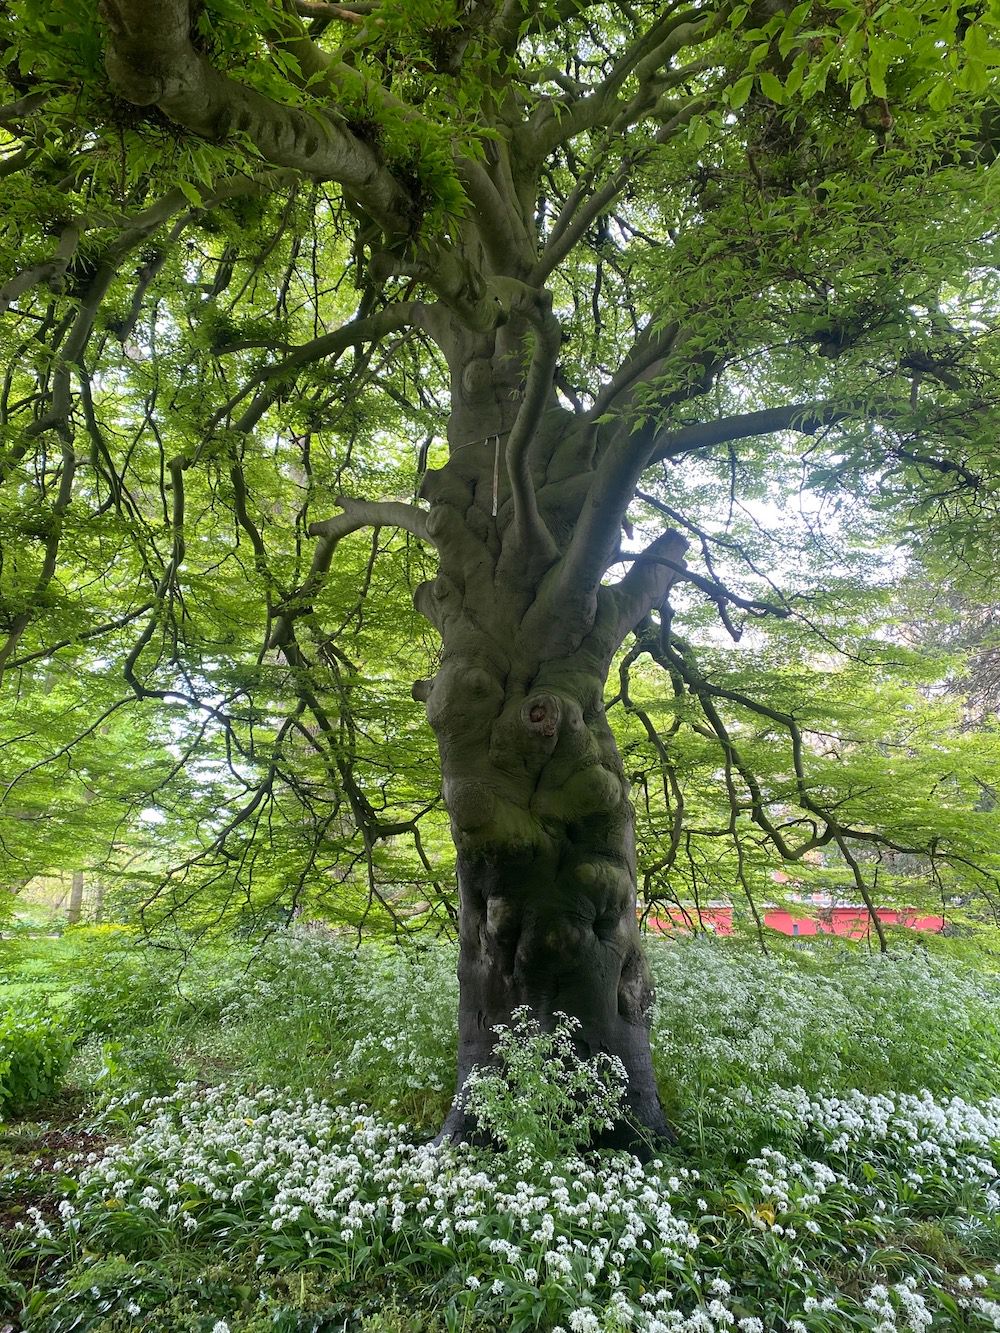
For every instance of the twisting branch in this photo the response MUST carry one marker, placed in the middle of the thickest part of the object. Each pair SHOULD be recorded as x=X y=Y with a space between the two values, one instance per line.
x=532 y=538
x=166 y=585
x=673 y=792
x=569 y=233
x=627 y=456
x=862 y=888
x=357 y=514
x=96 y=632
x=826 y=824
x=45 y=576
x=151 y=62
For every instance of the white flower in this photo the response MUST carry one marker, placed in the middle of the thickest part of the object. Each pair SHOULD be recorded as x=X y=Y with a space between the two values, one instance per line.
x=584 y=1321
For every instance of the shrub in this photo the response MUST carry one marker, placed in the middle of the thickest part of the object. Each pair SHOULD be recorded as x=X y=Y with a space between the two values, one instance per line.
x=35 y=1050
x=542 y=1100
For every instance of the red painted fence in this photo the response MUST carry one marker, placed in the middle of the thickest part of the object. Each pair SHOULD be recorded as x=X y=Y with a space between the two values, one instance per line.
x=852 y=922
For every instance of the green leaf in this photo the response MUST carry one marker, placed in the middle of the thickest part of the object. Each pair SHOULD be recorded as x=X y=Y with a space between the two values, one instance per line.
x=771 y=87
x=758 y=54
x=740 y=91
x=190 y=193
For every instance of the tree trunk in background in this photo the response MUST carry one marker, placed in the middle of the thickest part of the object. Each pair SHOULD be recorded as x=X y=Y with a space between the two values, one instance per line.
x=75 y=910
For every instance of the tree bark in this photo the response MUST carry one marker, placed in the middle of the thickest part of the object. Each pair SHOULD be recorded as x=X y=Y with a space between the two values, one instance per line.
x=75 y=910
x=547 y=892
x=532 y=779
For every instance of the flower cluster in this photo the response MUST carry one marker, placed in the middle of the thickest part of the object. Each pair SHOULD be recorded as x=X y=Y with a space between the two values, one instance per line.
x=951 y=1140
x=542 y=1098
x=597 y=1244
x=334 y=1182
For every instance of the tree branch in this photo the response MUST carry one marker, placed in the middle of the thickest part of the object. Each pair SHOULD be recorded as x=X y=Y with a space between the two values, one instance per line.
x=649 y=580
x=577 y=216
x=357 y=514
x=532 y=539
x=368 y=329
x=369 y=514
x=151 y=61
x=807 y=418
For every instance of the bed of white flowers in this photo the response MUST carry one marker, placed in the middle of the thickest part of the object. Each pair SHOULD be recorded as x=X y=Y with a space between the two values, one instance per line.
x=821 y=1234
x=804 y=1197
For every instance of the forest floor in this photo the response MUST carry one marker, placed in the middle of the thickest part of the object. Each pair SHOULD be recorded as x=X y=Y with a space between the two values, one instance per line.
x=230 y=1140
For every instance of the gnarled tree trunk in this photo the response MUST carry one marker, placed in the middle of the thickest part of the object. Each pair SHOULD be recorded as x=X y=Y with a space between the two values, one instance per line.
x=546 y=870
x=533 y=782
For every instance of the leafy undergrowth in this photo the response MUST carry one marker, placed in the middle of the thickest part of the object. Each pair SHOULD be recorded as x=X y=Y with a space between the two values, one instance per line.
x=804 y=1194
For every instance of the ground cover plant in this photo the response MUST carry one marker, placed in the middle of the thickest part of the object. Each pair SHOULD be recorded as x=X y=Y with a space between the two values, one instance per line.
x=835 y=1170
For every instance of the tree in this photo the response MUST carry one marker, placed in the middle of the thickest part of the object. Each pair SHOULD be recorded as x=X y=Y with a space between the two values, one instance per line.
x=645 y=269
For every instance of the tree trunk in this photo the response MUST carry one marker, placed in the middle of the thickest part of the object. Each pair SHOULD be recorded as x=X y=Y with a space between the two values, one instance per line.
x=532 y=778
x=546 y=869
x=75 y=910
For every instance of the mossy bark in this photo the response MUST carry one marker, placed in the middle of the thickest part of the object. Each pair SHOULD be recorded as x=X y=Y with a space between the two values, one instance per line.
x=532 y=778
x=546 y=871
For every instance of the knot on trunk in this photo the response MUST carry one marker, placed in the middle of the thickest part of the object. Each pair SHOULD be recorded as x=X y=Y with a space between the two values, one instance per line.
x=541 y=715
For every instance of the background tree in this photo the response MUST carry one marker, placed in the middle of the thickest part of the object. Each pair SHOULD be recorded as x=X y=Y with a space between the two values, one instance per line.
x=546 y=313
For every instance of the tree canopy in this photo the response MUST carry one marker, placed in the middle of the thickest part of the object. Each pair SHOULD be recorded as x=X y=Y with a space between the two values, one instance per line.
x=673 y=325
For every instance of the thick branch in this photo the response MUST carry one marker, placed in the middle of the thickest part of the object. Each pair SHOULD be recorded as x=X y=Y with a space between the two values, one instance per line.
x=48 y=270
x=646 y=60
x=151 y=61
x=531 y=537
x=807 y=418
x=649 y=580
x=357 y=514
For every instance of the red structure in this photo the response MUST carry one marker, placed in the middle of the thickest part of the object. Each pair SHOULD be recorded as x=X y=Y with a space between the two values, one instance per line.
x=850 y=921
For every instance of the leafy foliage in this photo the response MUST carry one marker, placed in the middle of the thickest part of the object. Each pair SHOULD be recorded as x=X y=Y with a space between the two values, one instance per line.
x=35 y=1049
x=543 y=1100
x=214 y=334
